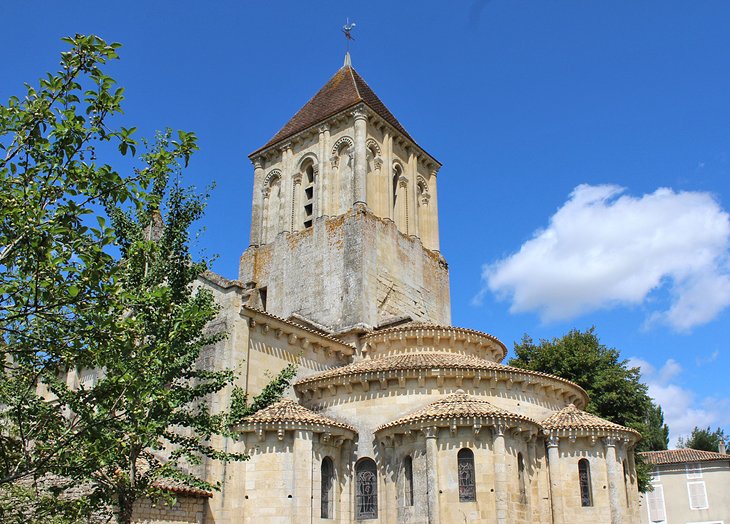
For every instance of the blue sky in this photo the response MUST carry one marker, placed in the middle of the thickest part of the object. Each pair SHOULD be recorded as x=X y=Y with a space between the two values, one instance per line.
x=585 y=147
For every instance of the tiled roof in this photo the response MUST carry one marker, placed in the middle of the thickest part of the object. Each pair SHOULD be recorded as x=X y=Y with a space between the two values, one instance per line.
x=571 y=418
x=345 y=89
x=176 y=486
x=413 y=326
x=425 y=360
x=457 y=406
x=286 y=411
x=677 y=456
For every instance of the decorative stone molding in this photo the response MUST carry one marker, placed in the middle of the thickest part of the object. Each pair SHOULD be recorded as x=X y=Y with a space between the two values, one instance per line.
x=340 y=143
x=334 y=161
x=274 y=173
x=360 y=113
x=258 y=162
x=286 y=146
x=323 y=128
x=373 y=146
x=297 y=178
x=402 y=181
x=552 y=441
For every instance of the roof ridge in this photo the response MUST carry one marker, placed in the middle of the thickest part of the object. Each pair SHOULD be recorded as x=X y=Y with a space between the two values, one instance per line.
x=354 y=82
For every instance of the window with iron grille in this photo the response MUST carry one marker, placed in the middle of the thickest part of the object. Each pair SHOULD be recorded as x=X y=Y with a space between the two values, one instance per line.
x=366 y=490
x=327 y=471
x=467 y=485
x=584 y=478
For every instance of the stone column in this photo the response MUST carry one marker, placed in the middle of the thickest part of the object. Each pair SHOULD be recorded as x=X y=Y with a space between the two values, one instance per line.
x=285 y=195
x=556 y=495
x=361 y=160
x=633 y=485
x=302 y=452
x=412 y=170
x=432 y=476
x=297 y=211
x=346 y=473
x=388 y=169
x=433 y=241
x=389 y=500
x=501 y=493
x=401 y=218
x=323 y=181
x=257 y=205
x=613 y=480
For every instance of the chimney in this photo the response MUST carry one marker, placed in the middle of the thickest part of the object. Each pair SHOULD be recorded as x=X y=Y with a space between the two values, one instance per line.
x=721 y=447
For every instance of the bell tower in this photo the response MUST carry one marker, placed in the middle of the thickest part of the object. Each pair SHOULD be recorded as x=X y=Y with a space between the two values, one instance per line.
x=344 y=225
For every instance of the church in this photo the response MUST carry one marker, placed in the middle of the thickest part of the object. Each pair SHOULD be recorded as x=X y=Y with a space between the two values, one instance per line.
x=395 y=415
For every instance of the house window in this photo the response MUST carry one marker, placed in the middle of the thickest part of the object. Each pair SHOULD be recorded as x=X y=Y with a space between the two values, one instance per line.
x=694 y=471
x=697 y=495
x=408 y=481
x=327 y=471
x=467 y=485
x=584 y=478
x=655 y=504
x=366 y=490
x=521 y=478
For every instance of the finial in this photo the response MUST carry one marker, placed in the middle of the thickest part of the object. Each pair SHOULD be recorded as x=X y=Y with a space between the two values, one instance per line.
x=347 y=29
x=348 y=62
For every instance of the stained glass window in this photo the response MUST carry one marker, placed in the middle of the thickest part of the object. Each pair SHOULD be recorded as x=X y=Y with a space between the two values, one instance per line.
x=467 y=485
x=366 y=490
x=584 y=478
x=328 y=479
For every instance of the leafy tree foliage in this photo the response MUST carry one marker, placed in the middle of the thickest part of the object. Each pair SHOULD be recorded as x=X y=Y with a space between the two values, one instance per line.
x=615 y=390
x=704 y=439
x=97 y=281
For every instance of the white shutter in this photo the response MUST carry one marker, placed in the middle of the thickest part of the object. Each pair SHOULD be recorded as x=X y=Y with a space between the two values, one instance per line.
x=655 y=503
x=697 y=495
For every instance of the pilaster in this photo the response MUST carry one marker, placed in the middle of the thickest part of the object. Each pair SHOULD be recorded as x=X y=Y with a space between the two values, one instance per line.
x=323 y=181
x=432 y=476
x=501 y=494
x=612 y=480
x=302 y=474
x=257 y=204
x=556 y=493
x=361 y=162
x=286 y=206
x=433 y=240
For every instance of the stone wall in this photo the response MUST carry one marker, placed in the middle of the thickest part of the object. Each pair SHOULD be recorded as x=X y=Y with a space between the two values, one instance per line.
x=186 y=510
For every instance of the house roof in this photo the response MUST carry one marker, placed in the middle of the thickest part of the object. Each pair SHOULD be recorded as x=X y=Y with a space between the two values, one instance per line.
x=289 y=412
x=572 y=418
x=677 y=456
x=457 y=406
x=345 y=89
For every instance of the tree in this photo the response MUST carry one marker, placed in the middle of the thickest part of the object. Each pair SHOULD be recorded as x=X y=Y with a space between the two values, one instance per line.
x=615 y=390
x=96 y=276
x=704 y=439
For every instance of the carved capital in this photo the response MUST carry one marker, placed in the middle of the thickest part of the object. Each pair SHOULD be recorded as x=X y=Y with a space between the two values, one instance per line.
x=266 y=191
x=402 y=181
x=425 y=197
x=285 y=147
x=297 y=179
x=378 y=162
x=610 y=442
x=258 y=162
x=552 y=441
x=323 y=128
x=360 y=113
x=430 y=432
x=334 y=161
x=315 y=169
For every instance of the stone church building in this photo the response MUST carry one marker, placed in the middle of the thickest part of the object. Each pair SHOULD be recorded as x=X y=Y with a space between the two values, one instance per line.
x=395 y=415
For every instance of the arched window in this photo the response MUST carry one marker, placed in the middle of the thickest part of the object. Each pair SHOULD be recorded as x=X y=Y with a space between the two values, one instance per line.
x=521 y=478
x=584 y=478
x=397 y=172
x=327 y=471
x=467 y=485
x=408 y=481
x=308 y=200
x=366 y=490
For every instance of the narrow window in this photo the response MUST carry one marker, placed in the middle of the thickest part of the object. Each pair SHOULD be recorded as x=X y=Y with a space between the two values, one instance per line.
x=584 y=477
x=327 y=471
x=308 y=196
x=408 y=481
x=626 y=483
x=366 y=490
x=521 y=478
x=396 y=175
x=655 y=504
x=262 y=297
x=467 y=486
x=697 y=495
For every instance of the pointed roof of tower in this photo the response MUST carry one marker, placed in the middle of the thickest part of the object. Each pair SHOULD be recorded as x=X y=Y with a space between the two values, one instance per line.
x=345 y=89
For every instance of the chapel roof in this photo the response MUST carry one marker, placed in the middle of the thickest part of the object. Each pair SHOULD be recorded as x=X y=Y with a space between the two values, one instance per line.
x=344 y=90
x=677 y=456
x=572 y=418
x=289 y=412
x=427 y=360
x=180 y=488
x=457 y=406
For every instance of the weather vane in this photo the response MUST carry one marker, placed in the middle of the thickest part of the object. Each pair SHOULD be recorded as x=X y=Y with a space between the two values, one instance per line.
x=347 y=29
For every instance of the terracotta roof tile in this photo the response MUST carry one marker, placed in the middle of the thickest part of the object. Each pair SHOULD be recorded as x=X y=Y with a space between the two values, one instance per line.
x=571 y=418
x=287 y=411
x=345 y=89
x=176 y=486
x=677 y=456
x=457 y=406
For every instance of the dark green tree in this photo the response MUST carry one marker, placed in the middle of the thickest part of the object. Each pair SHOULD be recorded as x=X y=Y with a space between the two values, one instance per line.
x=703 y=439
x=615 y=389
x=96 y=277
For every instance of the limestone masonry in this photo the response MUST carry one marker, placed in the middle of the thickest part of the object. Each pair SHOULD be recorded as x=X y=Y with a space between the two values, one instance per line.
x=396 y=416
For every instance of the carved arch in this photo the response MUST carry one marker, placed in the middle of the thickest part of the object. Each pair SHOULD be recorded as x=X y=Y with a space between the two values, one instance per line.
x=274 y=173
x=371 y=143
x=308 y=156
x=422 y=183
x=340 y=142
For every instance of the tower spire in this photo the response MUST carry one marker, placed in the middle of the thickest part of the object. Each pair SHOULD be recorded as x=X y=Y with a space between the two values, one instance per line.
x=347 y=29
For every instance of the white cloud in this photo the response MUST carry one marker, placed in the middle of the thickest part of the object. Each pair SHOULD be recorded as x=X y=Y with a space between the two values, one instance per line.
x=603 y=249
x=683 y=410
